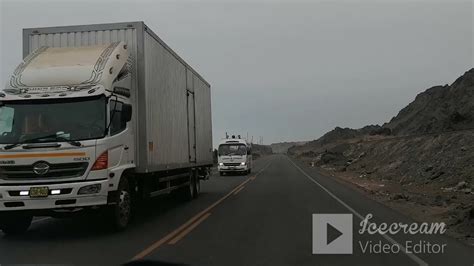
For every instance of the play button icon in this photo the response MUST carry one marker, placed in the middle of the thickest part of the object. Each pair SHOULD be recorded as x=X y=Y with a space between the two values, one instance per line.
x=332 y=233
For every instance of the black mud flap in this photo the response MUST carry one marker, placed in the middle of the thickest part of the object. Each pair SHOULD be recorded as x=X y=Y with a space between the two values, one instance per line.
x=112 y=197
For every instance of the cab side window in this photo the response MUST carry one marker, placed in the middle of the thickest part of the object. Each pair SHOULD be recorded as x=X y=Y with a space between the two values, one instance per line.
x=117 y=124
x=6 y=120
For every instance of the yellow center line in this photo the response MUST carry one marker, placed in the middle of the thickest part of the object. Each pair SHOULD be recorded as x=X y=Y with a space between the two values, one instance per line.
x=189 y=229
x=166 y=238
x=238 y=190
x=194 y=221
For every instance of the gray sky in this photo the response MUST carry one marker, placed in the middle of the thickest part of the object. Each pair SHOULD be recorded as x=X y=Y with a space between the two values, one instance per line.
x=285 y=70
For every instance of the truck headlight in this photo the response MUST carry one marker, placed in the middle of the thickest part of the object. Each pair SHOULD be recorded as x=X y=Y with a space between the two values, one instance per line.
x=242 y=163
x=90 y=189
x=221 y=164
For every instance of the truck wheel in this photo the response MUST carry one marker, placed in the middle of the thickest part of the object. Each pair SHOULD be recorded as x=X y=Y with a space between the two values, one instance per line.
x=188 y=191
x=121 y=212
x=197 y=187
x=221 y=173
x=16 y=225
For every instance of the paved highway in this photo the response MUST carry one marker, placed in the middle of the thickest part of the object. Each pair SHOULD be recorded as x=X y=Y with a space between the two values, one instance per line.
x=264 y=218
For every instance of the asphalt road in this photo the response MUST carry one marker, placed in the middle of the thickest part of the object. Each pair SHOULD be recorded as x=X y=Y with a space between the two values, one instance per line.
x=264 y=218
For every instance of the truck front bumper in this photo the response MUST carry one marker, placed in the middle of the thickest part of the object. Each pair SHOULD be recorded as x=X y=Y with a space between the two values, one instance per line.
x=10 y=200
x=239 y=168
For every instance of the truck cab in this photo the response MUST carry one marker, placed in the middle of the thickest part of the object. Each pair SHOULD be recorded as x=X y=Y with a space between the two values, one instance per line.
x=97 y=117
x=234 y=155
x=65 y=133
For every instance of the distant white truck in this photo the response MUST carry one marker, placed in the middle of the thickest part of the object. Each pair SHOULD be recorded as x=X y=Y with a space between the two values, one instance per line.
x=98 y=116
x=234 y=155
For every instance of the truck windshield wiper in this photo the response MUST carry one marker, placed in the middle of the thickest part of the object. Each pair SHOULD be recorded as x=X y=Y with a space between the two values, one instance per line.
x=59 y=138
x=11 y=146
x=72 y=142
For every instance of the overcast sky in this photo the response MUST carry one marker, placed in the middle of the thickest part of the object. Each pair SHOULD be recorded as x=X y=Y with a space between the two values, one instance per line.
x=284 y=70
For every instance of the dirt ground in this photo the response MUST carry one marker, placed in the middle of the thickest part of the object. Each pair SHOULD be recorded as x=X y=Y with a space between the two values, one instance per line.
x=423 y=203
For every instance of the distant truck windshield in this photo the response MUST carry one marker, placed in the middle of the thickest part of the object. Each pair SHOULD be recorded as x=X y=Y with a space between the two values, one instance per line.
x=71 y=119
x=232 y=149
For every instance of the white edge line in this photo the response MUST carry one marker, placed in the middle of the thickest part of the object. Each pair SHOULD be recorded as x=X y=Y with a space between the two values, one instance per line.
x=388 y=238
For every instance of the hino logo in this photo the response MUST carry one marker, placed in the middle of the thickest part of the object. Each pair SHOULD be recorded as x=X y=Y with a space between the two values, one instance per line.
x=41 y=168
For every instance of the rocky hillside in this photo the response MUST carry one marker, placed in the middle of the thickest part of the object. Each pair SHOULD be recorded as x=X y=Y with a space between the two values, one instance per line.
x=438 y=109
x=282 y=147
x=260 y=150
x=341 y=134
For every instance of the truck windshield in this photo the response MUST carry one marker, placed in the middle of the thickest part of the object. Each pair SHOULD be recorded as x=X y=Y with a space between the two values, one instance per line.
x=65 y=119
x=232 y=149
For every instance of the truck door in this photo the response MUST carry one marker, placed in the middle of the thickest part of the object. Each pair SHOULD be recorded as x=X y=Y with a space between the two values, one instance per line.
x=191 y=116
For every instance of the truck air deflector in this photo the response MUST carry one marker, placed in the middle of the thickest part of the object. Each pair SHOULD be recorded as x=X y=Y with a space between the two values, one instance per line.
x=66 y=71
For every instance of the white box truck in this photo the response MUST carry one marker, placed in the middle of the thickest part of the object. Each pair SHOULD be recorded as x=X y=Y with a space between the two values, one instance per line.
x=96 y=117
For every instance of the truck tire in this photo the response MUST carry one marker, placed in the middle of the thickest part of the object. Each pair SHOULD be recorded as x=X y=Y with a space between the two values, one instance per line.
x=16 y=224
x=221 y=173
x=188 y=192
x=197 y=187
x=120 y=213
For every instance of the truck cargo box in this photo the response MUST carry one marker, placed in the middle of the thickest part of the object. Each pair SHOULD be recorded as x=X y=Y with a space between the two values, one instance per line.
x=171 y=101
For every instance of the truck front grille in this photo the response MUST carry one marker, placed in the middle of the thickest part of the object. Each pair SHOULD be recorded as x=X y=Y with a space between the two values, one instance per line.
x=231 y=164
x=59 y=170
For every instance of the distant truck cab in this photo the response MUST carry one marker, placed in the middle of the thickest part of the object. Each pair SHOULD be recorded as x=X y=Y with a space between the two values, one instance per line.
x=234 y=155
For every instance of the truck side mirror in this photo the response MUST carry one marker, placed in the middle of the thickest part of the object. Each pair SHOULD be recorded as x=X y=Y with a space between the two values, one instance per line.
x=126 y=113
